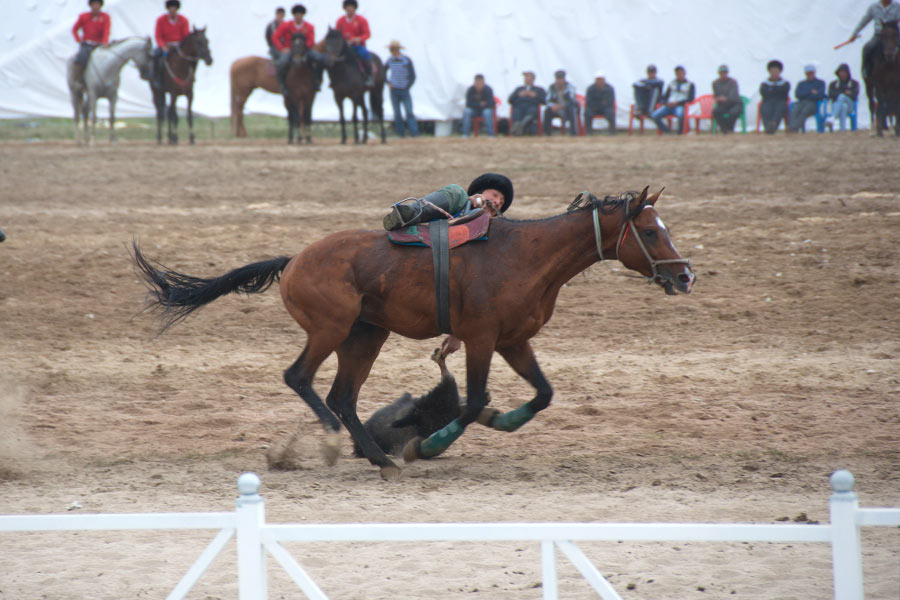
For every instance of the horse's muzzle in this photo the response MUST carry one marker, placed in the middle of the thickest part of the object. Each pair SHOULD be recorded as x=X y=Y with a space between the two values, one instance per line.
x=681 y=282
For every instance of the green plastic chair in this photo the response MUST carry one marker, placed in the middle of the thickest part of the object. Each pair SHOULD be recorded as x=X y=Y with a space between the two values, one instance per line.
x=744 y=102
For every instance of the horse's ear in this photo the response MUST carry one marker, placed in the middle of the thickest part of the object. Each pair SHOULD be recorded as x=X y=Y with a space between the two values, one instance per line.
x=652 y=199
x=637 y=204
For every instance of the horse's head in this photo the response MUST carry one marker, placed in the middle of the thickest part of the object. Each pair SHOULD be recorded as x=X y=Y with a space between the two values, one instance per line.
x=298 y=48
x=144 y=59
x=335 y=46
x=890 y=34
x=644 y=246
x=200 y=45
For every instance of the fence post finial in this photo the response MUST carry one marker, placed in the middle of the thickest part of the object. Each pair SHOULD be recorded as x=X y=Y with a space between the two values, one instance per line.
x=248 y=485
x=250 y=518
x=842 y=480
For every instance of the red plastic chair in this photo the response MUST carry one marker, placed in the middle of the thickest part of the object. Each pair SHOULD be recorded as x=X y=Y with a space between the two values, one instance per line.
x=477 y=121
x=640 y=118
x=579 y=126
x=704 y=105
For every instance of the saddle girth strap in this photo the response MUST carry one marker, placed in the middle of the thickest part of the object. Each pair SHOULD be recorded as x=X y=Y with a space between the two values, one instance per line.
x=440 y=252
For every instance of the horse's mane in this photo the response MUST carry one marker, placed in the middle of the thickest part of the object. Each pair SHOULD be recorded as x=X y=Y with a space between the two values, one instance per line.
x=586 y=200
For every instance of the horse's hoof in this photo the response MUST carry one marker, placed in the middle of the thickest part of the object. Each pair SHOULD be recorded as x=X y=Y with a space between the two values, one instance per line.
x=331 y=448
x=486 y=416
x=411 y=450
x=391 y=473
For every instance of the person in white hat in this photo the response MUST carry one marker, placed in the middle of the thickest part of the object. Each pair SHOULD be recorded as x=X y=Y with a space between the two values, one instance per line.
x=808 y=92
x=600 y=101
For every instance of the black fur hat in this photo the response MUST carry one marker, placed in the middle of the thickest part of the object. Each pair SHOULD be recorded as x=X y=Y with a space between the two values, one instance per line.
x=175 y=3
x=298 y=8
x=92 y=1
x=775 y=63
x=493 y=181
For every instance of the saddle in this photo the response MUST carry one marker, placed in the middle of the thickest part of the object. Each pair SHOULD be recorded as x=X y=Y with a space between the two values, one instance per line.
x=441 y=235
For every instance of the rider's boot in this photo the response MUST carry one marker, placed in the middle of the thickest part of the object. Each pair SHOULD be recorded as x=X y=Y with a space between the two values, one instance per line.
x=413 y=211
x=367 y=71
x=78 y=73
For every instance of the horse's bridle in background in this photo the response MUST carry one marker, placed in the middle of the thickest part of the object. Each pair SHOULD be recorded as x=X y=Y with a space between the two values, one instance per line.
x=623 y=231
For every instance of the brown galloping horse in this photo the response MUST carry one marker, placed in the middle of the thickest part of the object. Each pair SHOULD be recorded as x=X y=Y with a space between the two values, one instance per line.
x=247 y=74
x=179 y=67
x=350 y=290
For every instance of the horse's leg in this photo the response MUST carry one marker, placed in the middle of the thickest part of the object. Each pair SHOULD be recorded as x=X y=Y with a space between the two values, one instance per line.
x=76 y=107
x=365 y=112
x=307 y=121
x=478 y=363
x=173 y=120
x=190 y=116
x=159 y=99
x=521 y=358
x=355 y=357
x=355 y=123
x=340 y=103
x=112 y=118
x=90 y=111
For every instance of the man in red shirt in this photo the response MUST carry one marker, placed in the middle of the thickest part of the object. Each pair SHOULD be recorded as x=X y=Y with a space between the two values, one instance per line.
x=94 y=31
x=282 y=39
x=355 y=30
x=171 y=28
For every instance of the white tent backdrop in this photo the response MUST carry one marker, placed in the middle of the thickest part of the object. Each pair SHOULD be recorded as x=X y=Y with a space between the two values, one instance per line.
x=450 y=41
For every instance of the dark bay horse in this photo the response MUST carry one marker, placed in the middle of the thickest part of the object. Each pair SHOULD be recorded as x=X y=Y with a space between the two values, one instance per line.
x=300 y=83
x=885 y=78
x=347 y=81
x=179 y=68
x=351 y=289
x=246 y=75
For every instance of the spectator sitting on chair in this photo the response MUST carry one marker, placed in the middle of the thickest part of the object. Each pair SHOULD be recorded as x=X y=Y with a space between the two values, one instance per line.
x=561 y=103
x=775 y=92
x=647 y=92
x=843 y=92
x=401 y=74
x=808 y=93
x=680 y=92
x=600 y=99
x=525 y=102
x=479 y=103
x=728 y=101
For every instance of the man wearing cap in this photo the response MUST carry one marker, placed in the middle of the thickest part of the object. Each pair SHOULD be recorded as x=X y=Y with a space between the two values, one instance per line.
x=600 y=100
x=171 y=29
x=647 y=92
x=525 y=102
x=680 y=92
x=561 y=103
x=808 y=93
x=90 y=30
x=728 y=101
x=843 y=93
x=284 y=36
x=401 y=74
x=775 y=92
x=879 y=13
x=270 y=32
x=355 y=29
x=479 y=103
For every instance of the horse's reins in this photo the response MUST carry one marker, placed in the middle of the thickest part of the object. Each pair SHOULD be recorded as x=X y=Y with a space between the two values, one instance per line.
x=623 y=231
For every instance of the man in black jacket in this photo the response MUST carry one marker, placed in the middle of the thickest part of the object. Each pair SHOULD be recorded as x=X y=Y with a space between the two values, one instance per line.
x=600 y=100
x=525 y=102
x=479 y=103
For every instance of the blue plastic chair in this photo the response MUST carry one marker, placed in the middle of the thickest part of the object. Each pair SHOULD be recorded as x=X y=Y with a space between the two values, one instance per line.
x=829 y=112
x=821 y=107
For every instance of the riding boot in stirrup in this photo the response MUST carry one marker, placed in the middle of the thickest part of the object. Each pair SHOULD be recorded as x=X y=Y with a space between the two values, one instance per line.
x=413 y=211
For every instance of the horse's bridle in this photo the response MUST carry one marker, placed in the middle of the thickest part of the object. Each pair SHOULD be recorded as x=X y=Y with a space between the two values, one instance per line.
x=623 y=231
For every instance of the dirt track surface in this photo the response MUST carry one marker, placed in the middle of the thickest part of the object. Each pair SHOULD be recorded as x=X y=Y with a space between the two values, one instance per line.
x=732 y=404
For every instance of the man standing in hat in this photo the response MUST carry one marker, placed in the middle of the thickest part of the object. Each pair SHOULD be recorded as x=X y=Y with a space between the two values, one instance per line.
x=401 y=74
x=729 y=105
x=284 y=36
x=270 y=32
x=355 y=29
x=775 y=92
x=808 y=92
x=561 y=103
x=94 y=31
x=600 y=100
x=680 y=92
x=647 y=92
x=879 y=13
x=171 y=29
x=525 y=102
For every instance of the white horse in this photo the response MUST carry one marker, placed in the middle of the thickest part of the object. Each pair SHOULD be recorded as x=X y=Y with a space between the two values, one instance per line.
x=101 y=80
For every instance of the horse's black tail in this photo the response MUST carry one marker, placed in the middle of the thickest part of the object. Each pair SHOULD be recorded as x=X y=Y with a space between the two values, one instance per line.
x=178 y=295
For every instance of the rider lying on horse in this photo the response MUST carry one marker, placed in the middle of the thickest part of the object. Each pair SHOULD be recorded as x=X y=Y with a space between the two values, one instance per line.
x=490 y=191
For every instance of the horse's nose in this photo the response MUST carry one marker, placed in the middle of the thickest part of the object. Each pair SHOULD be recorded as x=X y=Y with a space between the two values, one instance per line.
x=686 y=281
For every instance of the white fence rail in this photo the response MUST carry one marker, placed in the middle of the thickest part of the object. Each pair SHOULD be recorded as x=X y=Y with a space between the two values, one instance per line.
x=255 y=538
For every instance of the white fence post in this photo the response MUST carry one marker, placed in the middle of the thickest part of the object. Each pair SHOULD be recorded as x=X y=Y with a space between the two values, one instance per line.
x=846 y=550
x=250 y=517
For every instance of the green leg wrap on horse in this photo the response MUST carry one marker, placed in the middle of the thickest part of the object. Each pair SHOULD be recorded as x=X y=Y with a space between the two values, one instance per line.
x=441 y=439
x=512 y=420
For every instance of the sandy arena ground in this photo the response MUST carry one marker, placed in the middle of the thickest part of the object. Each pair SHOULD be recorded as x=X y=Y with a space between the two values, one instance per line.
x=733 y=404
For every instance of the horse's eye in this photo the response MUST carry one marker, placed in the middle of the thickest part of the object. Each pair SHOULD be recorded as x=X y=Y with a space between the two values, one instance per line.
x=649 y=233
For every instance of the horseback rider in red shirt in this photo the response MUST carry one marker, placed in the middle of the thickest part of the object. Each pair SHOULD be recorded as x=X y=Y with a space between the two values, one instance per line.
x=94 y=27
x=171 y=29
x=355 y=29
x=282 y=39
